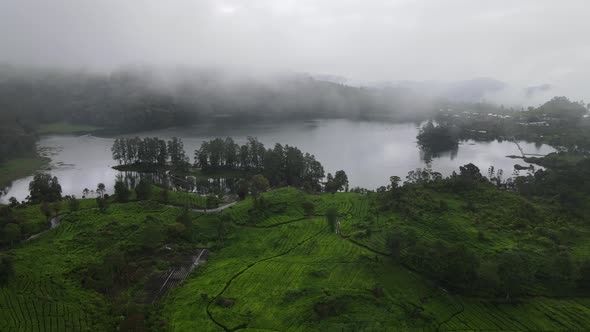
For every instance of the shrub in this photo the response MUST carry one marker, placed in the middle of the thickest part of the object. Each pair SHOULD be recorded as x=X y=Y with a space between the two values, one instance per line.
x=319 y=273
x=73 y=204
x=212 y=202
x=443 y=206
x=176 y=230
x=332 y=218
x=308 y=208
x=223 y=302
x=102 y=203
x=144 y=190
x=481 y=236
x=6 y=269
x=330 y=308
x=378 y=292
x=152 y=235
x=292 y=295
x=122 y=193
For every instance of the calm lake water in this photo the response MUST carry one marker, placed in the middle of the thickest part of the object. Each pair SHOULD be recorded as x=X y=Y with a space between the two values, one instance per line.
x=369 y=152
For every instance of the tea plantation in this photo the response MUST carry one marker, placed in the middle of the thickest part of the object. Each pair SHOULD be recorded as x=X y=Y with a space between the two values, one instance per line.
x=276 y=263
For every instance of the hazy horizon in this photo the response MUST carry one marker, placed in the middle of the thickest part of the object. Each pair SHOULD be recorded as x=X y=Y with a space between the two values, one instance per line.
x=526 y=44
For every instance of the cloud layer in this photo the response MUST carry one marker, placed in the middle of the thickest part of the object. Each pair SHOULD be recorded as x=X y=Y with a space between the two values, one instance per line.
x=529 y=42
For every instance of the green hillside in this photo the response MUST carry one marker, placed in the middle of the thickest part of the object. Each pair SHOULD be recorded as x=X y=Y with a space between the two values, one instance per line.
x=88 y=274
x=276 y=265
x=289 y=272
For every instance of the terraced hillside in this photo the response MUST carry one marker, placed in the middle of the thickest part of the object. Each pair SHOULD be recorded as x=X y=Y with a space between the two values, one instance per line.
x=58 y=284
x=288 y=272
x=274 y=263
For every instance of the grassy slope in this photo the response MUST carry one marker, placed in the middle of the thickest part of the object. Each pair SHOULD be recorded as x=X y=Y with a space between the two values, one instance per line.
x=32 y=221
x=62 y=128
x=280 y=268
x=17 y=168
x=46 y=293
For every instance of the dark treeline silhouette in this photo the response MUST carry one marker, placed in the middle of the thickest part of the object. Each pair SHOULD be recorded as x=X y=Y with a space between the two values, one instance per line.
x=281 y=165
x=150 y=151
x=219 y=154
x=509 y=272
x=44 y=188
x=558 y=122
x=566 y=181
x=438 y=138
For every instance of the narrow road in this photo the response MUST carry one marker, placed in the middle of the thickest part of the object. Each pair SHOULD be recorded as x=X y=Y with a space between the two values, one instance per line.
x=55 y=222
x=519 y=148
x=524 y=155
x=215 y=210
x=178 y=275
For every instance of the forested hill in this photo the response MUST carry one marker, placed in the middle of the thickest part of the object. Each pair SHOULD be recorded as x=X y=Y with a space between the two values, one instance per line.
x=140 y=98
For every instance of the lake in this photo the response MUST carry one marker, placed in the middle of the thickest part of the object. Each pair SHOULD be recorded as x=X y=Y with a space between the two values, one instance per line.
x=369 y=152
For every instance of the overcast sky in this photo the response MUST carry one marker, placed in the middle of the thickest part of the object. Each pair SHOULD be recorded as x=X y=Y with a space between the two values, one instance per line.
x=521 y=41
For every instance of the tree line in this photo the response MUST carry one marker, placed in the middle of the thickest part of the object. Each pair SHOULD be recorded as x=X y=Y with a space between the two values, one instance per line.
x=150 y=151
x=283 y=165
x=562 y=123
x=436 y=139
x=508 y=272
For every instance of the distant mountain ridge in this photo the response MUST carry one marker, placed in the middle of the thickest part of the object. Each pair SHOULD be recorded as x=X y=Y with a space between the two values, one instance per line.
x=474 y=90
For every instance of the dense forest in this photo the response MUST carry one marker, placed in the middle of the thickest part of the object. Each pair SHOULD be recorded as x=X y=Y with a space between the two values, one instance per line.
x=550 y=203
x=279 y=166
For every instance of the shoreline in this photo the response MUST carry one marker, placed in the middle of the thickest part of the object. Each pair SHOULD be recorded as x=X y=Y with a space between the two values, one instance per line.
x=21 y=167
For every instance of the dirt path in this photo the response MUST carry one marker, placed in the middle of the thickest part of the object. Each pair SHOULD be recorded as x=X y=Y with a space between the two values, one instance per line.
x=215 y=210
x=173 y=277
x=55 y=222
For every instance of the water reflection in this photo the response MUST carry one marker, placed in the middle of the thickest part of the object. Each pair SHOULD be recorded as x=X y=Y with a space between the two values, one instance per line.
x=427 y=155
x=369 y=152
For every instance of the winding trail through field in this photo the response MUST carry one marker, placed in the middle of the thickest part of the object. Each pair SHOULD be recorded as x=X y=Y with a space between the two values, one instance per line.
x=455 y=314
x=440 y=324
x=228 y=283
